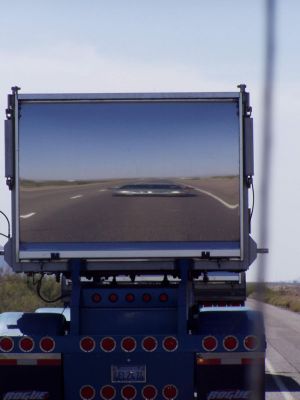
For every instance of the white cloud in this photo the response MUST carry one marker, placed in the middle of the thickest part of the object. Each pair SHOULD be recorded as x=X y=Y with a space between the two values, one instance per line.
x=78 y=68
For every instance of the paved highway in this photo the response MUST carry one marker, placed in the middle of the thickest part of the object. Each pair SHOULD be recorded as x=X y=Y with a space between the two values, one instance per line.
x=283 y=353
x=90 y=213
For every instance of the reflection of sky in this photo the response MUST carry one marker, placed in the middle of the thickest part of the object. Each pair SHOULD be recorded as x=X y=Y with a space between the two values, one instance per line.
x=128 y=140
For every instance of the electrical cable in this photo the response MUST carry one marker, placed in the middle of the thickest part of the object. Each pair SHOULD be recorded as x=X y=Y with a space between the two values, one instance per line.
x=8 y=225
x=253 y=201
x=38 y=290
x=256 y=376
x=266 y=164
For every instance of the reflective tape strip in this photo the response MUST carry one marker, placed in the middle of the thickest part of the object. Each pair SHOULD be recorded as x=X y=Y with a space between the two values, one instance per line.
x=248 y=358
x=26 y=362
x=251 y=361
x=8 y=362
x=49 y=362
x=210 y=361
x=30 y=359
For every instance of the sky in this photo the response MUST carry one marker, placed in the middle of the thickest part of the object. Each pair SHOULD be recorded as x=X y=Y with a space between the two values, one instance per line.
x=168 y=45
x=128 y=140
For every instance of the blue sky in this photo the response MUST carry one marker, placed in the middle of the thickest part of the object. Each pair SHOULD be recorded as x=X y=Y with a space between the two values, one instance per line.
x=119 y=140
x=162 y=45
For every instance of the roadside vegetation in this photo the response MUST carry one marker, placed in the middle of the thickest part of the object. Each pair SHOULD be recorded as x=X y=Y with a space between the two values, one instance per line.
x=18 y=293
x=281 y=295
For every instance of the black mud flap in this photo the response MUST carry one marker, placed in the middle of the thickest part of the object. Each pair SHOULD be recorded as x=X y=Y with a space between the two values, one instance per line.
x=230 y=382
x=28 y=382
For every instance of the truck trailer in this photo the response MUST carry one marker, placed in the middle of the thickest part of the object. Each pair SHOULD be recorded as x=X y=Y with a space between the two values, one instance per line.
x=138 y=205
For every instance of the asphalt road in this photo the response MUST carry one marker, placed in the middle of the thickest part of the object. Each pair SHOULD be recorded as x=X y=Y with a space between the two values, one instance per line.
x=283 y=352
x=90 y=213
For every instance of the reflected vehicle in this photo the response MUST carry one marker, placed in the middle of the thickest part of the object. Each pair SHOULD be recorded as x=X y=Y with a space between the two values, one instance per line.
x=153 y=189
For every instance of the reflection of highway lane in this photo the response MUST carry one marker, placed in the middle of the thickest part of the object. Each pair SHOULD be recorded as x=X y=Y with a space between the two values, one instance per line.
x=93 y=214
x=41 y=199
x=215 y=197
x=225 y=189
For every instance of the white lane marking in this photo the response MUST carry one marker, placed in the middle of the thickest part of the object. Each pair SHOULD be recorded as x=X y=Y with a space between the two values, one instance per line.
x=76 y=197
x=102 y=190
x=27 y=215
x=231 y=206
x=281 y=386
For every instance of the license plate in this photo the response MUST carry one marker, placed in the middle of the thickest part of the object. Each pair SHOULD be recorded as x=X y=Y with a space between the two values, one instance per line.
x=128 y=373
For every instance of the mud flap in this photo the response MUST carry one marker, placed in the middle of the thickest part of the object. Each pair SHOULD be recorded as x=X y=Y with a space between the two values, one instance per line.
x=31 y=382
x=229 y=382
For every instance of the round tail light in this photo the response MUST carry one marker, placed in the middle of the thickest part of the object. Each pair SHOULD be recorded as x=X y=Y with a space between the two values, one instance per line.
x=170 y=392
x=149 y=343
x=149 y=392
x=26 y=344
x=163 y=297
x=47 y=344
x=87 y=344
x=146 y=297
x=6 y=344
x=113 y=297
x=108 y=344
x=128 y=392
x=130 y=297
x=128 y=344
x=251 y=342
x=209 y=343
x=230 y=343
x=96 y=297
x=87 y=392
x=107 y=392
x=170 y=343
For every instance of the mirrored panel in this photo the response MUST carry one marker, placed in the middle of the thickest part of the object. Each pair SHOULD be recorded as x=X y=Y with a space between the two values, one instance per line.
x=129 y=171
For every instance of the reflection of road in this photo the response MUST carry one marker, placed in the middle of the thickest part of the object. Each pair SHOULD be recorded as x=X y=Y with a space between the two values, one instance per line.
x=217 y=198
x=283 y=353
x=90 y=213
x=224 y=188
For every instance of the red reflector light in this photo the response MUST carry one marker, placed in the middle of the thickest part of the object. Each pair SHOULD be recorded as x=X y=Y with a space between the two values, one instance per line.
x=170 y=343
x=108 y=344
x=149 y=343
x=146 y=297
x=209 y=343
x=128 y=392
x=96 y=297
x=108 y=392
x=230 y=343
x=87 y=392
x=113 y=297
x=87 y=344
x=128 y=344
x=129 y=297
x=163 y=297
x=47 y=344
x=26 y=344
x=6 y=344
x=170 y=392
x=251 y=342
x=149 y=392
